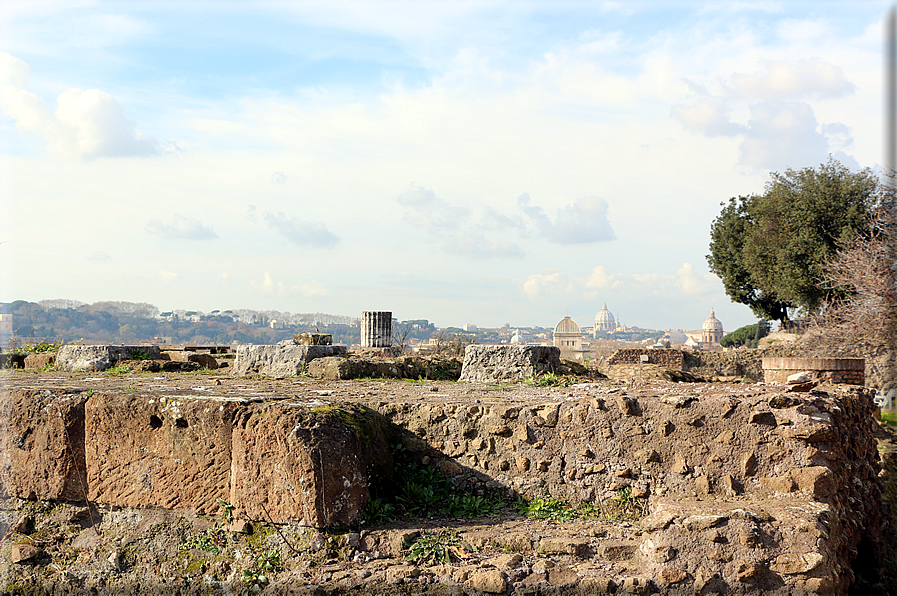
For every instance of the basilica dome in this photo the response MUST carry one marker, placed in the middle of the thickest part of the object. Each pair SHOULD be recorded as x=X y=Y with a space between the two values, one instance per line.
x=567 y=326
x=712 y=331
x=604 y=320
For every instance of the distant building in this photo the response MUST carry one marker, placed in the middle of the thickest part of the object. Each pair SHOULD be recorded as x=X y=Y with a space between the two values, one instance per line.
x=469 y=327
x=712 y=331
x=604 y=321
x=568 y=337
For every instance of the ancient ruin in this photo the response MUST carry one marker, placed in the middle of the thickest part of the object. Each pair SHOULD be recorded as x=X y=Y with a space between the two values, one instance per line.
x=125 y=484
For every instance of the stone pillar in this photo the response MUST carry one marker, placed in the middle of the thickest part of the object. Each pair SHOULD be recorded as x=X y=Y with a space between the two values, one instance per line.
x=376 y=329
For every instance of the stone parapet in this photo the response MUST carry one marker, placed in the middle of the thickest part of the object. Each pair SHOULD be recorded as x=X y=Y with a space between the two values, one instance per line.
x=490 y=364
x=99 y=358
x=848 y=371
x=282 y=360
x=661 y=357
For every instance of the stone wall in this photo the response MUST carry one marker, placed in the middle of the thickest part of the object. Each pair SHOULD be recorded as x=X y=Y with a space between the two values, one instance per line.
x=849 y=371
x=284 y=359
x=664 y=357
x=306 y=462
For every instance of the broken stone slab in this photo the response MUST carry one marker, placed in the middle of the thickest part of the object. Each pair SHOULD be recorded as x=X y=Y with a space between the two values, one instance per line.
x=204 y=360
x=172 y=452
x=41 y=444
x=282 y=360
x=489 y=364
x=311 y=464
x=98 y=358
x=313 y=339
x=40 y=360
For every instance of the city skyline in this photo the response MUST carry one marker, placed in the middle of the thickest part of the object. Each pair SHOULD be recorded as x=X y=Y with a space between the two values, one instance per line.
x=483 y=163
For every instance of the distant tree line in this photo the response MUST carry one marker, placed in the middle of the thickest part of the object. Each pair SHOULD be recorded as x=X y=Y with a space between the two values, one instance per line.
x=129 y=322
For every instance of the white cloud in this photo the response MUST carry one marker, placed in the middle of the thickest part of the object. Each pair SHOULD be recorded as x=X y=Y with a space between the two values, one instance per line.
x=167 y=276
x=601 y=279
x=689 y=282
x=430 y=211
x=99 y=256
x=788 y=80
x=85 y=123
x=553 y=281
x=583 y=221
x=181 y=228
x=708 y=116
x=310 y=289
x=782 y=135
x=268 y=285
x=301 y=233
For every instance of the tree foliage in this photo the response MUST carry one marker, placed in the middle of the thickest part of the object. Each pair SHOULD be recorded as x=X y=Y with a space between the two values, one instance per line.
x=749 y=335
x=770 y=250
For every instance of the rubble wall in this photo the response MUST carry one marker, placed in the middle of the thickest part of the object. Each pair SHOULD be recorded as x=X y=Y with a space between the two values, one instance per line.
x=775 y=472
x=662 y=357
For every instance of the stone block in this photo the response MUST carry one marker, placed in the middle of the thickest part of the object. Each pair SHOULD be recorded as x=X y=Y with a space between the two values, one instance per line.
x=313 y=339
x=98 y=358
x=282 y=360
x=155 y=451
x=204 y=360
x=294 y=463
x=489 y=364
x=42 y=445
x=40 y=360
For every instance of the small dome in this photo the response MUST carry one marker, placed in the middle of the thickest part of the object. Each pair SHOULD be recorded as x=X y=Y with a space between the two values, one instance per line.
x=567 y=325
x=712 y=324
x=604 y=320
x=516 y=339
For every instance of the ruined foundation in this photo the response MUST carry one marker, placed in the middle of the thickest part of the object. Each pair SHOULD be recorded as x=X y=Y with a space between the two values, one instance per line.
x=749 y=489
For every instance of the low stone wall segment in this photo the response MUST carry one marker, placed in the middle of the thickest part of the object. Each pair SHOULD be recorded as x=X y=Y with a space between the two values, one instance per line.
x=752 y=489
x=492 y=364
x=287 y=358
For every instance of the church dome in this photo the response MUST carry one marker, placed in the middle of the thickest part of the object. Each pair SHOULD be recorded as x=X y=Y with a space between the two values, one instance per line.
x=567 y=325
x=712 y=331
x=516 y=339
x=604 y=320
x=712 y=324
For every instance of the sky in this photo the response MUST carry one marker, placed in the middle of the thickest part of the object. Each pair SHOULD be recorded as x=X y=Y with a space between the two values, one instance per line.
x=482 y=162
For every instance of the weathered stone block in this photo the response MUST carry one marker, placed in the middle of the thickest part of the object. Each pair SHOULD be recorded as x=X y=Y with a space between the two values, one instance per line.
x=42 y=445
x=508 y=363
x=98 y=358
x=293 y=463
x=313 y=339
x=40 y=360
x=204 y=360
x=169 y=452
x=284 y=359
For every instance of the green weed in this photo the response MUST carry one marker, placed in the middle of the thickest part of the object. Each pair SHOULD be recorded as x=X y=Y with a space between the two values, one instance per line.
x=889 y=417
x=209 y=541
x=437 y=546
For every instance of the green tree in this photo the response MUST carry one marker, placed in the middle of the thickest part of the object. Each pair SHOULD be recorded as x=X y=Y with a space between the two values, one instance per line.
x=769 y=250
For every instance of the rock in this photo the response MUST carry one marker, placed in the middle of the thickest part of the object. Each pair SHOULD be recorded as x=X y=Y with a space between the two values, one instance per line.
x=490 y=581
x=793 y=563
x=203 y=360
x=704 y=521
x=678 y=401
x=522 y=464
x=307 y=464
x=114 y=560
x=799 y=378
x=680 y=466
x=40 y=360
x=657 y=521
x=514 y=541
x=173 y=453
x=397 y=574
x=240 y=526
x=24 y=553
x=636 y=586
x=671 y=575
x=99 y=358
x=616 y=550
x=657 y=553
x=39 y=462
x=780 y=401
x=627 y=405
x=507 y=561
x=281 y=360
x=489 y=364
x=400 y=540
x=562 y=577
x=702 y=485
x=748 y=571
x=748 y=463
x=818 y=481
x=313 y=339
x=779 y=484
x=24 y=525
x=562 y=545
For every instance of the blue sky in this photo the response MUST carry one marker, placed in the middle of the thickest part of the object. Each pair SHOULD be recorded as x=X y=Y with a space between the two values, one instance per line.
x=466 y=162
